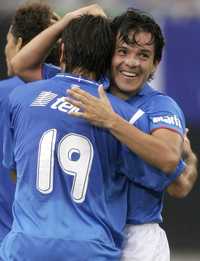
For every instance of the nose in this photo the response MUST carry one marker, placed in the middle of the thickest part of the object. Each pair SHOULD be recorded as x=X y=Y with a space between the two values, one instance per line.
x=132 y=61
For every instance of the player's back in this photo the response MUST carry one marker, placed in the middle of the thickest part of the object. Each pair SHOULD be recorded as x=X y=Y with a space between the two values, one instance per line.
x=68 y=189
x=7 y=186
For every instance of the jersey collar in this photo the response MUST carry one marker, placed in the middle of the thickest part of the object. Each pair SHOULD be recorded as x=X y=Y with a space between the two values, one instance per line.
x=79 y=79
x=145 y=90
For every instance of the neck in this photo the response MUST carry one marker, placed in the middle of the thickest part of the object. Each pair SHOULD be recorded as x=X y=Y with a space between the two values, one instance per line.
x=84 y=73
x=120 y=94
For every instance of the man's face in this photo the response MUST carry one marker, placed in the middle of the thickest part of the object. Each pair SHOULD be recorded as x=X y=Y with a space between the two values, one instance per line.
x=132 y=64
x=10 y=50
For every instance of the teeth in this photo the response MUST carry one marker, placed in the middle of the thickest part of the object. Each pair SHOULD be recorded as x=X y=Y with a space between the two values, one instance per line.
x=129 y=74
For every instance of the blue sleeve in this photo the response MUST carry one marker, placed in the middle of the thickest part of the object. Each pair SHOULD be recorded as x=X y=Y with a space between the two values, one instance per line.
x=147 y=176
x=179 y=170
x=157 y=180
x=8 y=138
x=49 y=71
x=163 y=112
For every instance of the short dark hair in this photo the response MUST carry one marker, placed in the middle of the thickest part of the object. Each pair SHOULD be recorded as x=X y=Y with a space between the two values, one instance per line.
x=139 y=21
x=54 y=55
x=89 y=44
x=29 y=20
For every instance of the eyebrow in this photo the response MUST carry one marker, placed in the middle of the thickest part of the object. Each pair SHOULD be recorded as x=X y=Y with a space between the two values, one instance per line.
x=146 y=51
x=125 y=45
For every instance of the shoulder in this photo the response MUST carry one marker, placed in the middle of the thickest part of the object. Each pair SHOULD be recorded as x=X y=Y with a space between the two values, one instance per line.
x=49 y=70
x=8 y=85
x=22 y=93
x=162 y=102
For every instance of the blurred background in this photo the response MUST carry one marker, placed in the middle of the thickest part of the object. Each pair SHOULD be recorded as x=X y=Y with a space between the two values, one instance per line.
x=178 y=76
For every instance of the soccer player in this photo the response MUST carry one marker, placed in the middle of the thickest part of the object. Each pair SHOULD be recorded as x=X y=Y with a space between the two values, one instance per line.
x=139 y=44
x=148 y=208
x=71 y=196
x=28 y=21
x=29 y=67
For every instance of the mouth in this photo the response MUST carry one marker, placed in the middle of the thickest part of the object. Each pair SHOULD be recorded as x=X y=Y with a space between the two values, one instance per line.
x=128 y=74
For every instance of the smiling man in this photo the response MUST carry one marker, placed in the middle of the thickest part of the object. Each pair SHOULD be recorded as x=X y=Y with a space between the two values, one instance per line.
x=132 y=72
x=157 y=141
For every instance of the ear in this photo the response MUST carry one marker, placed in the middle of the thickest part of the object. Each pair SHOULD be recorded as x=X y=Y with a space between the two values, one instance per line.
x=19 y=44
x=62 y=57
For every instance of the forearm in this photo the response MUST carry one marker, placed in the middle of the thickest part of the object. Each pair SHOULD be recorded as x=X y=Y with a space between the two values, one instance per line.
x=191 y=172
x=151 y=149
x=162 y=149
x=184 y=184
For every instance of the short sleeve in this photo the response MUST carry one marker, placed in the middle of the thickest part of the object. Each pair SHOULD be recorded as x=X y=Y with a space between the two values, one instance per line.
x=163 y=112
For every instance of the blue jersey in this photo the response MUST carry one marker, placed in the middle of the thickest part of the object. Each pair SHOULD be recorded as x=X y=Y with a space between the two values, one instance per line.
x=160 y=111
x=70 y=194
x=7 y=186
x=49 y=71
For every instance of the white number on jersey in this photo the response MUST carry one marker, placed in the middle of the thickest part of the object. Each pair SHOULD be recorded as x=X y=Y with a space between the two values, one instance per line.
x=75 y=155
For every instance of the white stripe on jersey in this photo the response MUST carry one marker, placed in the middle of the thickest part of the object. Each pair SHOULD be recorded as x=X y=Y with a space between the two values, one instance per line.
x=43 y=98
x=136 y=116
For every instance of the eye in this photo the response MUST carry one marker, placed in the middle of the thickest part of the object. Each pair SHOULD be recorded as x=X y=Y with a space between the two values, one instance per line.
x=121 y=51
x=144 y=56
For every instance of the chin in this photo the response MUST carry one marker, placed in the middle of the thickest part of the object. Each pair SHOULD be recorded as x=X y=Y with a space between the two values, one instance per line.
x=128 y=90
